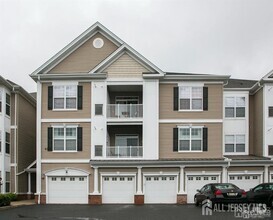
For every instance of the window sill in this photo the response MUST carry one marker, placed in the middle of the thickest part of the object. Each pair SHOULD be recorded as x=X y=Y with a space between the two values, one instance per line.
x=197 y=110
x=235 y=118
x=235 y=153
x=64 y=151
x=191 y=151
x=64 y=110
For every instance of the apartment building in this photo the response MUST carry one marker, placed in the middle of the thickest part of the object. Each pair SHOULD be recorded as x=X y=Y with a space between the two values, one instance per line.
x=17 y=140
x=112 y=127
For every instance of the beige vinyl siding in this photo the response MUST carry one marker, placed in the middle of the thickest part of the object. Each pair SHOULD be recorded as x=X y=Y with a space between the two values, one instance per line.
x=86 y=147
x=53 y=166
x=215 y=104
x=214 y=142
x=84 y=113
x=258 y=122
x=125 y=66
x=86 y=57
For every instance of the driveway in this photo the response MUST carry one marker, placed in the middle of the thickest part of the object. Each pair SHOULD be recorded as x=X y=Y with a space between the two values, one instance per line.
x=110 y=212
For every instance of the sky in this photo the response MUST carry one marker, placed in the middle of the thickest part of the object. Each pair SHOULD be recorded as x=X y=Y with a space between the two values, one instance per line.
x=229 y=37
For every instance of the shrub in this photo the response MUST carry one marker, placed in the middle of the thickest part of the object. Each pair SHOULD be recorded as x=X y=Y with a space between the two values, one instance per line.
x=12 y=196
x=4 y=200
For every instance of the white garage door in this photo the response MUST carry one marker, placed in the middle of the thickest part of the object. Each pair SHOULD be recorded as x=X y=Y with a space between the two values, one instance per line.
x=118 y=190
x=66 y=190
x=160 y=189
x=245 y=182
x=197 y=182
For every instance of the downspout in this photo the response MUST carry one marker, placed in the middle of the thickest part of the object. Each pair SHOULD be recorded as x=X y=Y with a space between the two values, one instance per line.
x=15 y=141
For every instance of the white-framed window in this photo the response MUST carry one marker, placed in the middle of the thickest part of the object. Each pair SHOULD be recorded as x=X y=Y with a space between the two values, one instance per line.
x=235 y=143
x=190 y=98
x=7 y=104
x=235 y=107
x=65 y=138
x=7 y=143
x=1 y=100
x=65 y=97
x=7 y=181
x=126 y=140
x=190 y=139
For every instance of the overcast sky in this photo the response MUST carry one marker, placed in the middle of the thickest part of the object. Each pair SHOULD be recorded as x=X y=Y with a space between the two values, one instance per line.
x=233 y=37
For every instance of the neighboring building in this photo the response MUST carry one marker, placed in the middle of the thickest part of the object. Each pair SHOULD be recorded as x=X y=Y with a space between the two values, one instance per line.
x=115 y=128
x=17 y=140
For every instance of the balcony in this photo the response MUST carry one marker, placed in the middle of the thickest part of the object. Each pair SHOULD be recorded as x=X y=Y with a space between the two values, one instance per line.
x=124 y=110
x=124 y=152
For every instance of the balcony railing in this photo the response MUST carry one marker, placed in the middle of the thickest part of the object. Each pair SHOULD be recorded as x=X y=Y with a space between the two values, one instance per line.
x=124 y=152
x=124 y=110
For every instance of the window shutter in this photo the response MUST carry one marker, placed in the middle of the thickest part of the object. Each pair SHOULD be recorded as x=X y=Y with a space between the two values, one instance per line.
x=205 y=98
x=50 y=98
x=49 y=138
x=175 y=98
x=175 y=139
x=79 y=139
x=205 y=139
x=80 y=97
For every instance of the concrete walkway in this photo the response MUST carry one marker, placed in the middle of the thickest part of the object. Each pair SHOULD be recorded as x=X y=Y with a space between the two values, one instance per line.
x=19 y=203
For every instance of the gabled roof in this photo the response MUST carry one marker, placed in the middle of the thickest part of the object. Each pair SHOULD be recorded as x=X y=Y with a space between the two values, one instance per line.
x=95 y=28
x=268 y=76
x=125 y=48
x=76 y=43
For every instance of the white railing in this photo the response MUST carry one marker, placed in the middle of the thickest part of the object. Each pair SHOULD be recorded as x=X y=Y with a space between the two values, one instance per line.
x=124 y=151
x=124 y=110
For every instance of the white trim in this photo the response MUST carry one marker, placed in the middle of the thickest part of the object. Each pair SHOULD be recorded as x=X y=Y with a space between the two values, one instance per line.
x=246 y=173
x=175 y=121
x=65 y=160
x=66 y=120
x=190 y=84
x=204 y=82
x=65 y=83
x=124 y=81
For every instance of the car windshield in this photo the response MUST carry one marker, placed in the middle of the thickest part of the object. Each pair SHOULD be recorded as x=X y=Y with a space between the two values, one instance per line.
x=225 y=186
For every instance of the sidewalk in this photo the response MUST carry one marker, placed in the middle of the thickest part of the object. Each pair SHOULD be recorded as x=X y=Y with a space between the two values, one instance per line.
x=15 y=204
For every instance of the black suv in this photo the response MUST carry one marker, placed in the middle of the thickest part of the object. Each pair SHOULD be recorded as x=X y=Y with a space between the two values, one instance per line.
x=262 y=193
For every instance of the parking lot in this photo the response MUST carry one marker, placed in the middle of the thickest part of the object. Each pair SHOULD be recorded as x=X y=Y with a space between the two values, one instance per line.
x=111 y=212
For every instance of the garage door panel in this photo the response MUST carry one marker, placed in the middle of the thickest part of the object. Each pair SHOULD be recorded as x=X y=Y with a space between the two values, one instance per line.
x=118 y=190
x=245 y=182
x=160 y=189
x=195 y=182
x=67 y=190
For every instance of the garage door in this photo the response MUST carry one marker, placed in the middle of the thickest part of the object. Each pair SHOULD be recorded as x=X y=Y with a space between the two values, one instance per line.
x=245 y=182
x=68 y=190
x=160 y=189
x=197 y=182
x=118 y=189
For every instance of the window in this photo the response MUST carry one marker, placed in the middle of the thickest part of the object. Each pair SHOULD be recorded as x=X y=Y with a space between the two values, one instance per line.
x=190 y=178
x=270 y=111
x=198 y=178
x=235 y=107
x=1 y=100
x=7 y=143
x=114 y=178
x=8 y=104
x=106 y=178
x=213 y=178
x=247 y=177
x=53 y=178
x=156 y=178
x=190 y=139
x=121 y=178
x=98 y=150
x=98 y=109
x=206 y=178
x=232 y=177
x=7 y=181
x=126 y=140
x=190 y=98
x=171 y=178
x=235 y=143
x=65 y=138
x=239 y=177
x=255 y=177
x=81 y=179
x=72 y=178
x=164 y=178
x=130 y=178
x=148 y=178
x=270 y=150
x=63 y=179
x=65 y=97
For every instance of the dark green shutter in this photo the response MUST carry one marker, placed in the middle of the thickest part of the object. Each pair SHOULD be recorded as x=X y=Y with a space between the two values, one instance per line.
x=205 y=139
x=50 y=98
x=175 y=139
x=205 y=98
x=80 y=94
x=49 y=138
x=175 y=98
x=79 y=139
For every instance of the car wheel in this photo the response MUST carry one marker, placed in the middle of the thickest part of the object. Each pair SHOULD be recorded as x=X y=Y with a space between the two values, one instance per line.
x=270 y=203
x=196 y=202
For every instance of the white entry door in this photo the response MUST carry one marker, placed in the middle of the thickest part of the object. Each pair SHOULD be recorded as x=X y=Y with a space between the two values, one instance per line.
x=245 y=182
x=65 y=190
x=160 y=189
x=119 y=189
x=195 y=182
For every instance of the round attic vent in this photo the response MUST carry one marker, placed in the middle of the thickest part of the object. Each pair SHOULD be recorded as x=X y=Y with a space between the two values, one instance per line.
x=98 y=43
